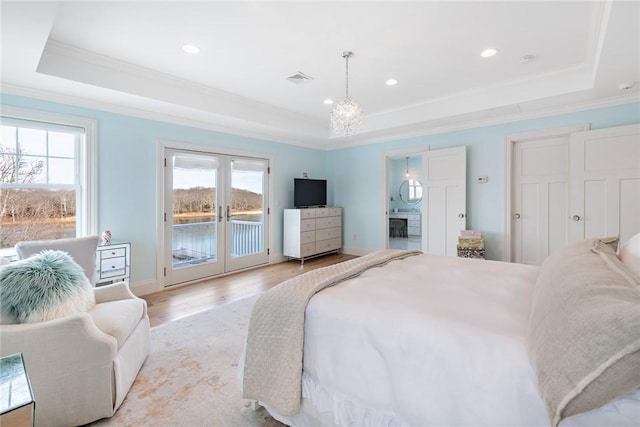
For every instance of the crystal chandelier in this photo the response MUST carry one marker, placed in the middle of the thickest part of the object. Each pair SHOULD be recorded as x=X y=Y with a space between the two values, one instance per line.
x=346 y=116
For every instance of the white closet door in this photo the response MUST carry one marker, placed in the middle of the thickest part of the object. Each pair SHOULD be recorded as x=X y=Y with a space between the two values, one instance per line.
x=444 y=200
x=605 y=186
x=540 y=198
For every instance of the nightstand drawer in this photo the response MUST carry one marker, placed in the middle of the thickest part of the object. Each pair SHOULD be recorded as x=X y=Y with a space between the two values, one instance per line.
x=113 y=267
x=113 y=253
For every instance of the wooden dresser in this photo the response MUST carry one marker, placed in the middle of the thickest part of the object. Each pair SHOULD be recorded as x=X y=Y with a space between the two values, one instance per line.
x=312 y=232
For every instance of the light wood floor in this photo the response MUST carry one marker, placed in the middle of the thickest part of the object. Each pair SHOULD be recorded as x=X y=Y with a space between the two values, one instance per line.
x=179 y=301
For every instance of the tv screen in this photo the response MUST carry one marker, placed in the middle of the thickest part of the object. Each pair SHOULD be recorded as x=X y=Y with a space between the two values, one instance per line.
x=309 y=192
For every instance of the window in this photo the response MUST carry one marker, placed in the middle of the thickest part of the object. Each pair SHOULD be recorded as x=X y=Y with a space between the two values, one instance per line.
x=415 y=190
x=47 y=177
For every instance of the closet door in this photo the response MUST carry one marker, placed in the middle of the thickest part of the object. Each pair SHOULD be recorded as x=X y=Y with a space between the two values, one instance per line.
x=605 y=183
x=540 y=198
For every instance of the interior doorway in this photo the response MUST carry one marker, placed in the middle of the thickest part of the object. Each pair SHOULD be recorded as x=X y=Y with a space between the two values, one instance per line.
x=403 y=200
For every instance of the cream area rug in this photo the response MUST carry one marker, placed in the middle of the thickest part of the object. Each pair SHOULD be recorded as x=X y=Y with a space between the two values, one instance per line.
x=190 y=377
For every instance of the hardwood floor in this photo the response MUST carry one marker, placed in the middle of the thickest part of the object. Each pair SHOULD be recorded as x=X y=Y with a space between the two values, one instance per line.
x=179 y=301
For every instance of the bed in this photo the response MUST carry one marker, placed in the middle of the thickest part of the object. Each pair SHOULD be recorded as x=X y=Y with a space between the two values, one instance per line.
x=398 y=338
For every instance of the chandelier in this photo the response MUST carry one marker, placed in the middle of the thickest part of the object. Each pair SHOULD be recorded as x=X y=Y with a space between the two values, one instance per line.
x=346 y=116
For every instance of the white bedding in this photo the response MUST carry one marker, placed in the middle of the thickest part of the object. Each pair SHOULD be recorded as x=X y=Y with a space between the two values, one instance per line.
x=428 y=341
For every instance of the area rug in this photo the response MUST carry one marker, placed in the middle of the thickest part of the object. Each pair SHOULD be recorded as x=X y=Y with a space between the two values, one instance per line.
x=190 y=377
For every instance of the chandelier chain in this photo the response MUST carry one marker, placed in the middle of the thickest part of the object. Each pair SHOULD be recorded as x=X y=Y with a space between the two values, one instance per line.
x=347 y=79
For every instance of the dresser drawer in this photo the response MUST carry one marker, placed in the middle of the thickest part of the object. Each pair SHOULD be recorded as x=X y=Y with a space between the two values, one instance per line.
x=112 y=267
x=413 y=217
x=307 y=249
x=307 y=213
x=328 y=245
x=413 y=223
x=307 y=225
x=322 y=212
x=335 y=211
x=307 y=237
x=328 y=222
x=329 y=233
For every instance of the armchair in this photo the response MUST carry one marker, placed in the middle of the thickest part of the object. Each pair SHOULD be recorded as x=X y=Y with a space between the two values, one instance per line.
x=82 y=366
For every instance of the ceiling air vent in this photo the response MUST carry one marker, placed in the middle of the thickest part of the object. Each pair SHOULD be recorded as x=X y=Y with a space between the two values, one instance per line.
x=299 y=77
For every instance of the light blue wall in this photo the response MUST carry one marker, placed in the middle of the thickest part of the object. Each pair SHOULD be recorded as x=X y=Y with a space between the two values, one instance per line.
x=356 y=174
x=127 y=171
x=127 y=149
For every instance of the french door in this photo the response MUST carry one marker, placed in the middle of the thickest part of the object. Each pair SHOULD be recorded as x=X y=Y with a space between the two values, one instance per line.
x=215 y=214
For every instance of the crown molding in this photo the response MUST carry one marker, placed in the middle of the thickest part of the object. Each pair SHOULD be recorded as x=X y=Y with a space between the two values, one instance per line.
x=417 y=130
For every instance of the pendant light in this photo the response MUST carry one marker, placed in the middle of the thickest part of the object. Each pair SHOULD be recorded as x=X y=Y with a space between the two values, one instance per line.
x=346 y=116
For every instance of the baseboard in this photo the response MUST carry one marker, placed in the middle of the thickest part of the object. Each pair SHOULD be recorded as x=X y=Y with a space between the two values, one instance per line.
x=143 y=288
x=356 y=251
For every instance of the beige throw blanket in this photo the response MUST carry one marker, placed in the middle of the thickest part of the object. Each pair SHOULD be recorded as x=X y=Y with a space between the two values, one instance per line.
x=273 y=355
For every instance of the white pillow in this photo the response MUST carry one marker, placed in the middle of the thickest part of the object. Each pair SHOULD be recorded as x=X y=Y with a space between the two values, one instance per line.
x=630 y=253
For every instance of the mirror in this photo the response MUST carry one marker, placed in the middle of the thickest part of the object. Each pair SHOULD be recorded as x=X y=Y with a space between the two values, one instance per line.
x=411 y=191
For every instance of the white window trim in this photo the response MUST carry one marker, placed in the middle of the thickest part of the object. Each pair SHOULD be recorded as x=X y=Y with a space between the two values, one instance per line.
x=88 y=159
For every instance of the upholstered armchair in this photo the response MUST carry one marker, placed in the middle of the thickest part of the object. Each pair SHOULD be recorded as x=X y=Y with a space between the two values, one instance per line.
x=81 y=366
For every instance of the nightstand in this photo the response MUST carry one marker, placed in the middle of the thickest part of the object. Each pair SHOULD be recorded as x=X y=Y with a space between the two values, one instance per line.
x=113 y=263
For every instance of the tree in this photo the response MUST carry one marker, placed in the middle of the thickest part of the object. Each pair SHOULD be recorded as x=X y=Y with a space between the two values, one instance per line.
x=14 y=168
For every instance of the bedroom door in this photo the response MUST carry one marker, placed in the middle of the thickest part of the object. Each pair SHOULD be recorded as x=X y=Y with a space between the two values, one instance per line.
x=444 y=200
x=605 y=183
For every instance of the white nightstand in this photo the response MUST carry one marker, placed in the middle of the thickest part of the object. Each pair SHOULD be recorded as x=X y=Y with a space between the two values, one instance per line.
x=113 y=263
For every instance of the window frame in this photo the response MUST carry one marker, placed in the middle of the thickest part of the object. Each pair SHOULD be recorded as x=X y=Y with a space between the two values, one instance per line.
x=86 y=161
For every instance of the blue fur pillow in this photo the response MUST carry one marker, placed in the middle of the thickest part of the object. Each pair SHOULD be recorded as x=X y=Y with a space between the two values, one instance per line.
x=45 y=286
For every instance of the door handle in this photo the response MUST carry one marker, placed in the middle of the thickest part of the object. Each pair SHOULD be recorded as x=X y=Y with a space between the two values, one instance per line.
x=516 y=216
x=576 y=218
x=461 y=215
x=228 y=213
x=220 y=217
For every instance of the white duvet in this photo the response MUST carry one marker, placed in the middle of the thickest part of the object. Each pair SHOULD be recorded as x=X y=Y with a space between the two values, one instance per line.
x=428 y=341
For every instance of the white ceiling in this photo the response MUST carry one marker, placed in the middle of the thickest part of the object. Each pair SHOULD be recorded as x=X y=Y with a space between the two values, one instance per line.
x=127 y=57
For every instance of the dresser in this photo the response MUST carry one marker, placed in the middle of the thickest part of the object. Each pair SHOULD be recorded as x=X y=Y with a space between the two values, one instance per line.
x=312 y=232
x=413 y=220
x=113 y=263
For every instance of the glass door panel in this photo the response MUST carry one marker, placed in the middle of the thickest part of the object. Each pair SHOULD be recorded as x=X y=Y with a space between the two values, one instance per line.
x=246 y=230
x=192 y=217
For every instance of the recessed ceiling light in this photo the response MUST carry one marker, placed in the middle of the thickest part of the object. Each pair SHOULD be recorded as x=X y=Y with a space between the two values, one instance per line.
x=328 y=101
x=488 y=52
x=391 y=82
x=191 y=48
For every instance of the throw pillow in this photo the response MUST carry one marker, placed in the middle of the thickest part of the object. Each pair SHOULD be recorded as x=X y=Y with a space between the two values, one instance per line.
x=46 y=286
x=630 y=253
x=583 y=333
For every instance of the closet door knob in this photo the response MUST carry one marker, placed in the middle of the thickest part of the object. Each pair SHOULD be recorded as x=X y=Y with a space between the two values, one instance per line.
x=576 y=218
x=516 y=216
x=460 y=215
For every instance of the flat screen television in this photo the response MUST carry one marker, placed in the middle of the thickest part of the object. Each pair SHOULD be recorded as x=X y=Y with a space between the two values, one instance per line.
x=309 y=192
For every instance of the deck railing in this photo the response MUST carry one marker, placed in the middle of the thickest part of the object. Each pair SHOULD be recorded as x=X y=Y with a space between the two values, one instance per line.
x=196 y=243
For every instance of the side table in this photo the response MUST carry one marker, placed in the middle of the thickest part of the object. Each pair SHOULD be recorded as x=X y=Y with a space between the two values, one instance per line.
x=17 y=407
x=113 y=263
